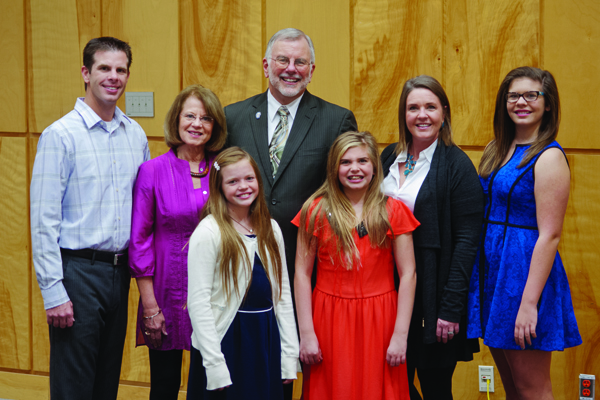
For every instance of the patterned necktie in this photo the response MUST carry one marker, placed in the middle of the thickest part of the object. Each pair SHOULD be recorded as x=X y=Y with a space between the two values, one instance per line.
x=279 y=138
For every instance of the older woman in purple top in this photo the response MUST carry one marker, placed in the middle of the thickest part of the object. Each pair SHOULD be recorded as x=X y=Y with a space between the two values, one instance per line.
x=168 y=196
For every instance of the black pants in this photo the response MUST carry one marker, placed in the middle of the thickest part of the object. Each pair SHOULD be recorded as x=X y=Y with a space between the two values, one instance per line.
x=436 y=383
x=85 y=360
x=165 y=374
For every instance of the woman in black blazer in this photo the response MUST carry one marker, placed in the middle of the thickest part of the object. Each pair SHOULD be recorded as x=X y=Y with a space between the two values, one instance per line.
x=439 y=183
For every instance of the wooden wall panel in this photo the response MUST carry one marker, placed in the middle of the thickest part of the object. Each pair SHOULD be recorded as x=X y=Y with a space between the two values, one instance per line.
x=12 y=65
x=579 y=251
x=365 y=50
x=15 y=349
x=221 y=47
x=55 y=59
x=484 y=40
x=393 y=41
x=572 y=53
x=328 y=25
x=152 y=30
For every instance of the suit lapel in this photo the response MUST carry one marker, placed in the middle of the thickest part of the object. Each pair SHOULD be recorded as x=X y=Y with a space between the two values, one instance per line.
x=302 y=122
x=260 y=128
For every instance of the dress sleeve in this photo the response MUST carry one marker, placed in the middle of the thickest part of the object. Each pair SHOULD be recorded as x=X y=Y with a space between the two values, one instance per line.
x=143 y=216
x=401 y=218
x=296 y=220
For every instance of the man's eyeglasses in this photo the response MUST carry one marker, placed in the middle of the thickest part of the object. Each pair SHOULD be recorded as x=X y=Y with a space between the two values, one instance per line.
x=513 y=97
x=191 y=118
x=283 y=62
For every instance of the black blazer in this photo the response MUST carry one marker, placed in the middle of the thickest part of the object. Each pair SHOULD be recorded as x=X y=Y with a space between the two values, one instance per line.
x=449 y=207
x=303 y=164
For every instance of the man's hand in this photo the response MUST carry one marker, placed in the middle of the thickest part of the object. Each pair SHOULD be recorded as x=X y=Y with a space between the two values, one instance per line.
x=61 y=316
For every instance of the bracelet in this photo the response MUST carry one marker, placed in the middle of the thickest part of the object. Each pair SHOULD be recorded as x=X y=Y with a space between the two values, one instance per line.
x=152 y=316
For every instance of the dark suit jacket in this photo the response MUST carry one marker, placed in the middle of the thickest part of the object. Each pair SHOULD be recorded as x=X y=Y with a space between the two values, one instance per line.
x=449 y=207
x=303 y=164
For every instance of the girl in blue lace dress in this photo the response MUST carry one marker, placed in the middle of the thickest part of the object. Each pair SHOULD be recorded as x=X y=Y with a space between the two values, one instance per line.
x=519 y=298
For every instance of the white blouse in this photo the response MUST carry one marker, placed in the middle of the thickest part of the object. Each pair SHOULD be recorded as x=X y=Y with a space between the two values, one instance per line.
x=407 y=193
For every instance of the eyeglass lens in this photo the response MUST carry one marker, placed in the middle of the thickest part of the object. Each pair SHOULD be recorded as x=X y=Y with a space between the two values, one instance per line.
x=513 y=97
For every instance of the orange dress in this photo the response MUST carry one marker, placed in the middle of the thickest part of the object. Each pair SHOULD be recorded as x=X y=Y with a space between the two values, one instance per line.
x=354 y=313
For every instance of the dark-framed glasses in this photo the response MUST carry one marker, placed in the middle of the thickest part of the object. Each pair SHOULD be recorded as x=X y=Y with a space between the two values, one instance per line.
x=283 y=62
x=191 y=118
x=513 y=97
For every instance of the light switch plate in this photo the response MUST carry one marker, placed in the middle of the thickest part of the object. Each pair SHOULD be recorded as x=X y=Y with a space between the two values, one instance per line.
x=139 y=104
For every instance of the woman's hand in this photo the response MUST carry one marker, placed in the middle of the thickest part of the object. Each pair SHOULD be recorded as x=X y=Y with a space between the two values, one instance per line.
x=287 y=381
x=446 y=330
x=525 y=325
x=154 y=327
x=396 y=352
x=310 y=352
x=221 y=388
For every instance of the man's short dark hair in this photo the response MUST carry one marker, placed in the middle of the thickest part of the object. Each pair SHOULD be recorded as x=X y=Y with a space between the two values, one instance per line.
x=105 y=43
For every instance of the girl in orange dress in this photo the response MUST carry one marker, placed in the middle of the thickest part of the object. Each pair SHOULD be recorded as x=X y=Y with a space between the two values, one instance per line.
x=354 y=326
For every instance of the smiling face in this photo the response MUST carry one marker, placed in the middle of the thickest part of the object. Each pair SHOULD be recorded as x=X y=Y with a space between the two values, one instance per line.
x=527 y=116
x=240 y=186
x=287 y=84
x=356 y=170
x=106 y=81
x=424 y=116
x=194 y=132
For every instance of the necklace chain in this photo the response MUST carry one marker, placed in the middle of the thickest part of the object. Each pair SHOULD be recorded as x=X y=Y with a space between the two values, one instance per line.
x=240 y=224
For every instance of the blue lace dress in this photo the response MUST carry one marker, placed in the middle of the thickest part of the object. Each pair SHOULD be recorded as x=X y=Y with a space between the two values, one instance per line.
x=502 y=266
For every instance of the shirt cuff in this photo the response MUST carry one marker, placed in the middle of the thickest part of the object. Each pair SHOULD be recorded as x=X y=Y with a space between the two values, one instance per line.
x=55 y=295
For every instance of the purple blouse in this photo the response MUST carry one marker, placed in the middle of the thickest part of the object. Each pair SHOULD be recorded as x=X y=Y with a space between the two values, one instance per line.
x=166 y=210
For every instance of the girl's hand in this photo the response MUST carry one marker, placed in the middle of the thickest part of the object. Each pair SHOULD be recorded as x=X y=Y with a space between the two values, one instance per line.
x=446 y=330
x=154 y=328
x=525 y=325
x=287 y=381
x=222 y=388
x=310 y=352
x=396 y=352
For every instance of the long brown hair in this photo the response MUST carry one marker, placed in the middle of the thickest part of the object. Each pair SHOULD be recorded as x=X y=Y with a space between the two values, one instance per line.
x=504 y=127
x=431 y=84
x=232 y=246
x=337 y=209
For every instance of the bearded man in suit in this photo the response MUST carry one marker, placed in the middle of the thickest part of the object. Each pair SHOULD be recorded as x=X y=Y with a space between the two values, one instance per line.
x=288 y=131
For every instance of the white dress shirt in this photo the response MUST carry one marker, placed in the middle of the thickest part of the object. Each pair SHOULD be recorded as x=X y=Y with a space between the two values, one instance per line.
x=407 y=193
x=272 y=107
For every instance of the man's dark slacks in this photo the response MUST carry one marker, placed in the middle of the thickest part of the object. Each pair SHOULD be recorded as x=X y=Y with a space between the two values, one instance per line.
x=85 y=360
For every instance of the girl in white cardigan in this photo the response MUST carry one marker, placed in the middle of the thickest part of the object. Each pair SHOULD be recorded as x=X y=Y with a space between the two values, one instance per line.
x=244 y=336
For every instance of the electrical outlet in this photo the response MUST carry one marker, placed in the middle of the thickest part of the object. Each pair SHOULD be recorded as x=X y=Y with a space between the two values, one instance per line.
x=485 y=373
x=139 y=104
x=587 y=387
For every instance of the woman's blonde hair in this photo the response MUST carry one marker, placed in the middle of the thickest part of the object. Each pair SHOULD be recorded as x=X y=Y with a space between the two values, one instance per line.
x=232 y=246
x=213 y=108
x=335 y=207
x=504 y=127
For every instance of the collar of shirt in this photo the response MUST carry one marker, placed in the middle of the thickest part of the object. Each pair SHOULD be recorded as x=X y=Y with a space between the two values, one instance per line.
x=425 y=155
x=91 y=119
x=407 y=193
x=272 y=107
